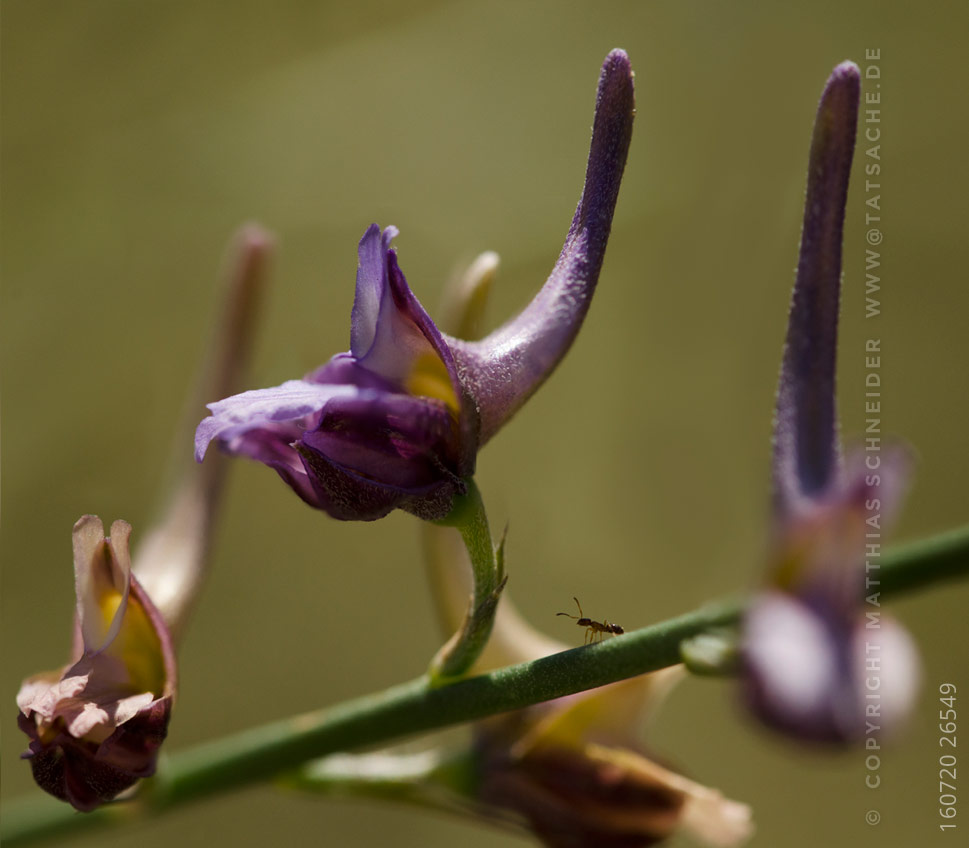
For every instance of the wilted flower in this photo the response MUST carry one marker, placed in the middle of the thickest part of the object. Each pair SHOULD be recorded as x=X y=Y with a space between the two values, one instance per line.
x=575 y=773
x=95 y=726
x=398 y=420
x=815 y=665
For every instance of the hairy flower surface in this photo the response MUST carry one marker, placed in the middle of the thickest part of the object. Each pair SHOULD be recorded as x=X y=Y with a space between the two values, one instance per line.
x=96 y=726
x=397 y=421
x=815 y=666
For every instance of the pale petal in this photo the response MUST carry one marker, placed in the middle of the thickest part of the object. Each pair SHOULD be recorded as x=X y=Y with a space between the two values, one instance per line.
x=235 y=415
x=102 y=577
x=888 y=669
x=794 y=674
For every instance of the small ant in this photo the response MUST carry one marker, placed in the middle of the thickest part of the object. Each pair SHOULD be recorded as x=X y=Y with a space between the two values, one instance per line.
x=593 y=629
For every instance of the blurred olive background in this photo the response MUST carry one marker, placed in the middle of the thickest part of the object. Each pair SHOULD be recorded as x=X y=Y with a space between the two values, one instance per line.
x=138 y=136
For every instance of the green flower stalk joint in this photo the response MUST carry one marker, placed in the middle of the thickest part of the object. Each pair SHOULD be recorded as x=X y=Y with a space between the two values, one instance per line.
x=810 y=656
x=96 y=726
x=570 y=771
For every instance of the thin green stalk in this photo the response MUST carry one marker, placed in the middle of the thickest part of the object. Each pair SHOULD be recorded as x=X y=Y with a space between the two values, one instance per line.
x=923 y=563
x=416 y=707
x=460 y=652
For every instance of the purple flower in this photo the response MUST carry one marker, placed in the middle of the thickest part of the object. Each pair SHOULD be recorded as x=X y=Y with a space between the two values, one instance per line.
x=397 y=421
x=815 y=665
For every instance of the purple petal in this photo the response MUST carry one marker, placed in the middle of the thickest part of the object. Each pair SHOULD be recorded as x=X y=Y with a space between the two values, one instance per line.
x=406 y=336
x=343 y=369
x=819 y=548
x=468 y=411
x=806 y=450
x=393 y=336
x=397 y=439
x=348 y=496
x=86 y=774
x=884 y=476
x=273 y=447
x=371 y=287
x=235 y=415
x=401 y=330
x=375 y=452
x=504 y=369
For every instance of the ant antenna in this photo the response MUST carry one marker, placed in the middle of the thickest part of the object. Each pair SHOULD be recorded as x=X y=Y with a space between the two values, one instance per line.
x=569 y=614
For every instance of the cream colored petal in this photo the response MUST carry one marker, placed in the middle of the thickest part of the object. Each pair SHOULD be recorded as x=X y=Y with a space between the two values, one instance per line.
x=94 y=693
x=40 y=694
x=706 y=814
x=887 y=661
x=715 y=820
x=609 y=715
x=466 y=296
x=102 y=577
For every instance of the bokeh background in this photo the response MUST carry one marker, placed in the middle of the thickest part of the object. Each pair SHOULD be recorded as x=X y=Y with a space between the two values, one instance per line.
x=138 y=136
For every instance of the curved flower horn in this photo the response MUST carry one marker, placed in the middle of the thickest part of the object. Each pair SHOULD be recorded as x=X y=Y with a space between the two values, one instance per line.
x=504 y=369
x=396 y=422
x=812 y=657
x=172 y=559
x=807 y=454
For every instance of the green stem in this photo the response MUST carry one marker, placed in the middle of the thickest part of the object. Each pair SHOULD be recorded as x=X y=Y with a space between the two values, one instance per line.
x=923 y=563
x=460 y=652
x=260 y=753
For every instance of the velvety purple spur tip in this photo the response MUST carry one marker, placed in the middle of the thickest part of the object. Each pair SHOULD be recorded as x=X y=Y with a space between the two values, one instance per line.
x=504 y=369
x=847 y=70
x=806 y=448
